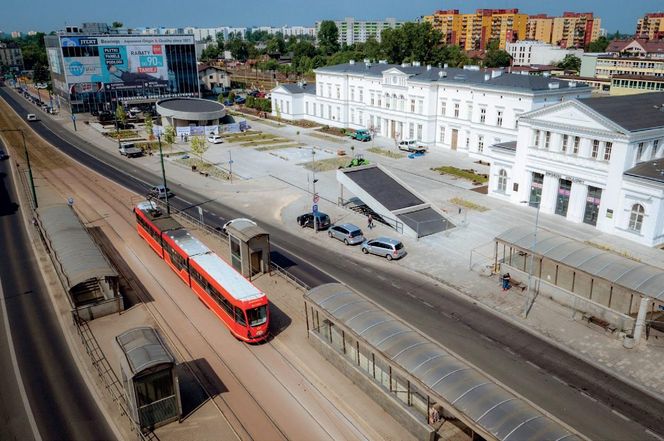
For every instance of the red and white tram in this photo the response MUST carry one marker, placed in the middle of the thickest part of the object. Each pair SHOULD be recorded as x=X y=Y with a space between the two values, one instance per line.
x=235 y=300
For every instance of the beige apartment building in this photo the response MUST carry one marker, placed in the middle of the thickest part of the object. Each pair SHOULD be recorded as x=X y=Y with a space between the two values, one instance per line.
x=575 y=29
x=539 y=28
x=651 y=26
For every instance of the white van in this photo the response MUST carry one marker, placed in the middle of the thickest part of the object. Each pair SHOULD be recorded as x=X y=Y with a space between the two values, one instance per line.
x=31 y=117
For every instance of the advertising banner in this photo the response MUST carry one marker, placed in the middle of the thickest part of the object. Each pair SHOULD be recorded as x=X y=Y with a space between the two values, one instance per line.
x=82 y=69
x=138 y=66
x=54 y=60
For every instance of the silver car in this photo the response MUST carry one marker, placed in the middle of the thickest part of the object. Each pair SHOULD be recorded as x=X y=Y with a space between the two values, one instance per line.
x=347 y=233
x=384 y=246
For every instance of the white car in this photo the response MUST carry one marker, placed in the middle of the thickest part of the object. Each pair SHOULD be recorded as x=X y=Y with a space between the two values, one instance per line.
x=225 y=226
x=31 y=117
x=215 y=139
x=412 y=146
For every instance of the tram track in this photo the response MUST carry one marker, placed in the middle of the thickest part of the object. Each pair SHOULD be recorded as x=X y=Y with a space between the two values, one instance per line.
x=59 y=170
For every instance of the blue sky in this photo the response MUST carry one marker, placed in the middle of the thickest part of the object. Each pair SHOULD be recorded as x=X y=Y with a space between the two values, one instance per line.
x=47 y=15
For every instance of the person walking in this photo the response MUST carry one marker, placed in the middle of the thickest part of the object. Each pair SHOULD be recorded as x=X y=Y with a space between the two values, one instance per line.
x=370 y=223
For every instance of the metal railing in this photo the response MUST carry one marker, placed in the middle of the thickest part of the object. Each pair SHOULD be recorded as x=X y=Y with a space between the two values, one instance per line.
x=158 y=411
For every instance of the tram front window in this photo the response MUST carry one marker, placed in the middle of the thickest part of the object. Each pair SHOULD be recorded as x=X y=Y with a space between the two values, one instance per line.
x=257 y=316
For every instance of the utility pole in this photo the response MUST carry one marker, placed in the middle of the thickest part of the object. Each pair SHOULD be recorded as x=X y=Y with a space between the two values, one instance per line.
x=531 y=297
x=230 y=165
x=314 y=207
x=27 y=159
x=163 y=174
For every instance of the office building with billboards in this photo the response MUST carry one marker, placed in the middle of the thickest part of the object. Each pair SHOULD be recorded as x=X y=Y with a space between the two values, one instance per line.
x=96 y=72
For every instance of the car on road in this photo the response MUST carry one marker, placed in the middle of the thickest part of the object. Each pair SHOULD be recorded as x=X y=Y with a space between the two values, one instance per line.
x=32 y=117
x=215 y=139
x=307 y=220
x=227 y=224
x=3 y=155
x=240 y=100
x=391 y=249
x=411 y=146
x=361 y=135
x=347 y=233
x=160 y=192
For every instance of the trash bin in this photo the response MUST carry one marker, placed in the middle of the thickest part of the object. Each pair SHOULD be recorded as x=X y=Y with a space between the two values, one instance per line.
x=193 y=168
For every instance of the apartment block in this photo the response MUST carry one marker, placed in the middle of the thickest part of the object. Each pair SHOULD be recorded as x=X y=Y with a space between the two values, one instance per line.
x=575 y=29
x=651 y=26
x=539 y=28
x=358 y=31
x=485 y=25
x=532 y=52
x=448 y=23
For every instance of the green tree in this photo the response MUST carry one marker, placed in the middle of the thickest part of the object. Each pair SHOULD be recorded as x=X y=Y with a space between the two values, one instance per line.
x=199 y=146
x=598 y=45
x=117 y=24
x=231 y=96
x=210 y=53
x=372 y=49
x=456 y=57
x=149 y=127
x=120 y=114
x=169 y=135
x=239 y=49
x=40 y=73
x=220 y=41
x=570 y=62
x=276 y=45
x=392 y=46
x=221 y=98
x=496 y=57
x=328 y=37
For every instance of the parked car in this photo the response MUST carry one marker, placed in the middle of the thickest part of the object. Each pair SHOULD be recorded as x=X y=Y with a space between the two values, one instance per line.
x=240 y=100
x=307 y=220
x=347 y=233
x=361 y=135
x=225 y=226
x=125 y=126
x=260 y=95
x=215 y=139
x=160 y=192
x=411 y=146
x=105 y=116
x=384 y=246
x=228 y=103
x=130 y=150
x=32 y=117
x=3 y=155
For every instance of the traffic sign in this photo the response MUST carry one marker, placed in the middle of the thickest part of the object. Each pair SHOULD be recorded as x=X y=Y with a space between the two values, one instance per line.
x=316 y=198
x=314 y=208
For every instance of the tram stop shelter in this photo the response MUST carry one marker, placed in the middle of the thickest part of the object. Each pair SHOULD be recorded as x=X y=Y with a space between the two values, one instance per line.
x=249 y=247
x=91 y=282
x=148 y=375
x=607 y=288
x=423 y=386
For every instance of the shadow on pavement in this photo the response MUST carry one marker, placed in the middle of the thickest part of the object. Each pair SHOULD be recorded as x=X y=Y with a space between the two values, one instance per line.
x=194 y=395
x=7 y=206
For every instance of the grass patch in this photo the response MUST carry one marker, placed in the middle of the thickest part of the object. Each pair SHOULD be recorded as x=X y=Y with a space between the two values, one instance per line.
x=245 y=133
x=322 y=136
x=385 y=152
x=205 y=167
x=326 y=164
x=468 y=174
x=123 y=134
x=468 y=204
x=265 y=142
x=252 y=137
x=278 y=147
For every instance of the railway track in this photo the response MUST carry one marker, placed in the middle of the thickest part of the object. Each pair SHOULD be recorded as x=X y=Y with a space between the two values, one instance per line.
x=70 y=178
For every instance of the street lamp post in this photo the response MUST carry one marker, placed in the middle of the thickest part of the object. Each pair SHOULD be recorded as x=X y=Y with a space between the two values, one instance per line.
x=27 y=159
x=530 y=299
x=163 y=174
x=315 y=196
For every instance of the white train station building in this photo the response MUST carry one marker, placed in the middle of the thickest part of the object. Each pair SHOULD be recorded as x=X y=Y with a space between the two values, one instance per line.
x=458 y=109
x=594 y=160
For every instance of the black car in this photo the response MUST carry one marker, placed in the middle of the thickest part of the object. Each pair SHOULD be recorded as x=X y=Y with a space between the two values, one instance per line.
x=105 y=116
x=3 y=155
x=307 y=220
x=125 y=126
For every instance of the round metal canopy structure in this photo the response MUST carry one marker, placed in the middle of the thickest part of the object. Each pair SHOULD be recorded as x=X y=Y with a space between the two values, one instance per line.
x=191 y=109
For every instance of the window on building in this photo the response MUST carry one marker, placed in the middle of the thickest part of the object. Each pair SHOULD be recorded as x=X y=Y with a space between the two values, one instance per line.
x=420 y=106
x=442 y=134
x=329 y=90
x=577 y=143
x=379 y=100
x=361 y=90
x=338 y=92
x=456 y=110
x=338 y=112
x=352 y=115
x=483 y=119
x=563 y=146
x=536 y=138
x=607 y=150
x=595 y=150
x=361 y=117
x=480 y=143
x=372 y=98
x=387 y=100
x=443 y=107
x=470 y=112
x=419 y=132
x=655 y=149
x=499 y=118
x=547 y=139
x=640 y=151
x=412 y=105
x=502 y=180
x=411 y=131
x=352 y=93
x=636 y=218
x=402 y=100
x=467 y=140
x=329 y=111
x=306 y=108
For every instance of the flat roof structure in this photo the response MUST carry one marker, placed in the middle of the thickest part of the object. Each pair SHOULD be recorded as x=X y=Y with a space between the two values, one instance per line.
x=191 y=109
x=142 y=349
x=383 y=188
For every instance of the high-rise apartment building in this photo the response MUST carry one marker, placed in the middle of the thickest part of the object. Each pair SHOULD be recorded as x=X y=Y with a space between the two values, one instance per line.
x=539 y=27
x=651 y=26
x=358 y=31
x=474 y=31
x=575 y=29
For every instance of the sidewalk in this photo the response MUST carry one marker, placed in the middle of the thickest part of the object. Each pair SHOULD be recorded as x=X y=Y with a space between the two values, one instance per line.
x=280 y=190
